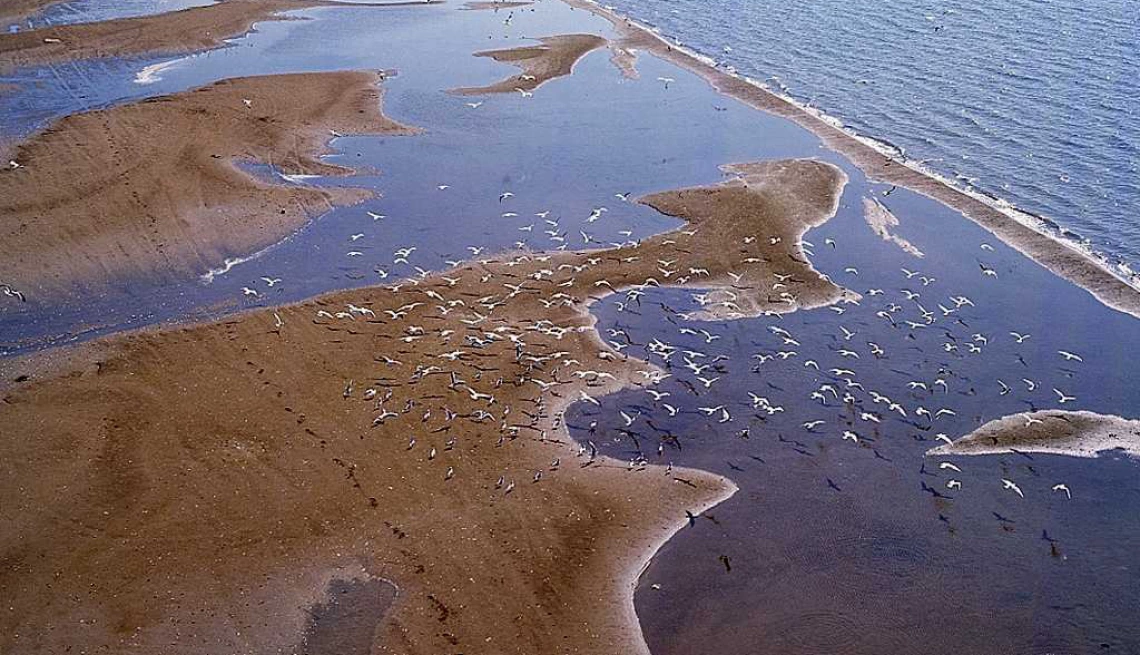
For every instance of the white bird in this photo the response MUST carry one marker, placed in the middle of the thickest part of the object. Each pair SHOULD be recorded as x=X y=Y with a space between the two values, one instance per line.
x=249 y=292
x=1069 y=356
x=588 y=398
x=1061 y=397
x=1062 y=487
x=953 y=484
x=666 y=80
x=475 y=105
x=270 y=281
x=1012 y=486
x=524 y=93
x=1020 y=338
x=949 y=465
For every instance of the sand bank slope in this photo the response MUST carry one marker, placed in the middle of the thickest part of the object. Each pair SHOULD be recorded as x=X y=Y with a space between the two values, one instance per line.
x=1078 y=434
x=151 y=188
x=207 y=485
x=540 y=63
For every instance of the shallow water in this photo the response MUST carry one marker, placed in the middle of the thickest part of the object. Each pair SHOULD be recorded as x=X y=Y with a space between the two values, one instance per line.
x=869 y=568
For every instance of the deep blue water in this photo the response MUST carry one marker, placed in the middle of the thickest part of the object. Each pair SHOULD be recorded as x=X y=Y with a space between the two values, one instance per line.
x=1035 y=102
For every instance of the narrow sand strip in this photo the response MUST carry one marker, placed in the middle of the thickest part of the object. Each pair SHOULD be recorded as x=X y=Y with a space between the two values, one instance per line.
x=176 y=32
x=205 y=481
x=151 y=188
x=1056 y=432
x=483 y=5
x=1062 y=259
x=540 y=63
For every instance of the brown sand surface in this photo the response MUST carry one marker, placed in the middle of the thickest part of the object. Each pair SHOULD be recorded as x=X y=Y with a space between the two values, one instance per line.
x=1057 y=432
x=151 y=188
x=881 y=221
x=209 y=489
x=1060 y=258
x=539 y=63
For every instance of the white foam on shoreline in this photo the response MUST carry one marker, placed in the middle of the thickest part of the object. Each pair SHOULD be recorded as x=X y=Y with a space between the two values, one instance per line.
x=1046 y=227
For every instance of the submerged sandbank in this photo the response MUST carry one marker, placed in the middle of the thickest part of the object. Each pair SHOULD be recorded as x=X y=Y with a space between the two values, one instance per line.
x=413 y=431
x=151 y=188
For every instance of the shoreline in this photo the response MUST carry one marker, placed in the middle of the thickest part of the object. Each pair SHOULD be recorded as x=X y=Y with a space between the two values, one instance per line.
x=1062 y=258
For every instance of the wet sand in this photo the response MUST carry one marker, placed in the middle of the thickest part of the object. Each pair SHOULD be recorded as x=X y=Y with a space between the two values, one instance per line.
x=1060 y=258
x=151 y=188
x=541 y=63
x=881 y=221
x=238 y=466
x=1055 y=432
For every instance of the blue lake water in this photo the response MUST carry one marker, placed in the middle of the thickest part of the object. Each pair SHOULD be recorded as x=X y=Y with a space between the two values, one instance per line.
x=877 y=564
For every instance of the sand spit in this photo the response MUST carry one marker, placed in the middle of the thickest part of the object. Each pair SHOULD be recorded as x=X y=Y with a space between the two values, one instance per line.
x=188 y=30
x=1056 y=432
x=204 y=483
x=881 y=221
x=495 y=5
x=539 y=63
x=1062 y=259
x=151 y=188
x=176 y=32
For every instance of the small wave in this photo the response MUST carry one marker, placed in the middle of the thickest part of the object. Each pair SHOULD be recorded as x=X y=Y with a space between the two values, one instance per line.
x=229 y=263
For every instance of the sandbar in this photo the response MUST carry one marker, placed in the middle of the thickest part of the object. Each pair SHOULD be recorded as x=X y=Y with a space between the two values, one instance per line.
x=207 y=483
x=151 y=188
x=1056 y=432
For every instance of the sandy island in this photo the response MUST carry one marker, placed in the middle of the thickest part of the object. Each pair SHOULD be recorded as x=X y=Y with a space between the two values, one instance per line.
x=151 y=188
x=208 y=485
x=1056 y=432
x=1062 y=259
x=175 y=32
x=539 y=63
